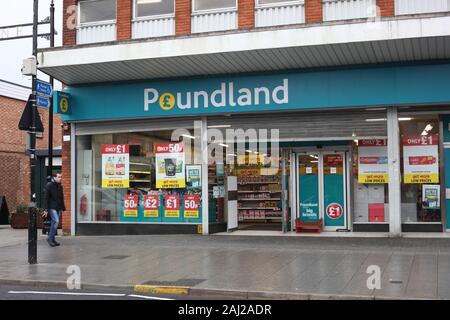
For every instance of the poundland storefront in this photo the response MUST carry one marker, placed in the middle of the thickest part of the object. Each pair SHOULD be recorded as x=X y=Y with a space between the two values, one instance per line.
x=357 y=149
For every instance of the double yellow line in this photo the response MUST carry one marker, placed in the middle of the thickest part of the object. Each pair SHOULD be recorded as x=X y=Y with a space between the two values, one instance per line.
x=143 y=288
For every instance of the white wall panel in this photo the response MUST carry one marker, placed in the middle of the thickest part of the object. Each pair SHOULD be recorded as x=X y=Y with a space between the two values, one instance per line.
x=348 y=9
x=214 y=21
x=149 y=28
x=96 y=33
x=279 y=15
x=421 y=6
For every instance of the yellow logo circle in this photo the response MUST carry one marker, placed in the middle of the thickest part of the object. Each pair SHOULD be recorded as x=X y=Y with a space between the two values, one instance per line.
x=64 y=104
x=167 y=101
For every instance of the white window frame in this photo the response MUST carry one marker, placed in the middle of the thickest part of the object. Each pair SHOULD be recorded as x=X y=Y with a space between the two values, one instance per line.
x=95 y=23
x=279 y=4
x=152 y=17
x=207 y=11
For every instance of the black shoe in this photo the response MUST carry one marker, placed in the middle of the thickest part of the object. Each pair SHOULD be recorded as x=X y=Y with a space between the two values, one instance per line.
x=51 y=243
x=56 y=243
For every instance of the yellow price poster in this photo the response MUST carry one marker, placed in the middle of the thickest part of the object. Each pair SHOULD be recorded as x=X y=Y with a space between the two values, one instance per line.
x=421 y=159
x=170 y=165
x=115 y=166
x=372 y=161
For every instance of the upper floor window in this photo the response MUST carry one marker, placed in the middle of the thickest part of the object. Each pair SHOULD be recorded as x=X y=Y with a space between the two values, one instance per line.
x=274 y=2
x=145 y=8
x=201 y=5
x=97 y=10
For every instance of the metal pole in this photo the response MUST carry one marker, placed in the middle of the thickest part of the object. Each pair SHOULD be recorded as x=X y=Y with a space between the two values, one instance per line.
x=32 y=215
x=50 y=111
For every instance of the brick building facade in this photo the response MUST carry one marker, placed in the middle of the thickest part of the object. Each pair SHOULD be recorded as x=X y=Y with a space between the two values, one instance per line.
x=15 y=164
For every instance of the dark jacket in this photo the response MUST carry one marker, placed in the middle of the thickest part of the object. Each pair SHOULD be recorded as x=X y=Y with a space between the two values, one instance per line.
x=54 y=196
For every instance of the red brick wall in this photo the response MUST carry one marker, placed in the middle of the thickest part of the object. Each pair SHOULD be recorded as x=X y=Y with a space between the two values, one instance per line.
x=246 y=14
x=15 y=165
x=66 y=182
x=124 y=16
x=69 y=22
x=387 y=7
x=313 y=11
x=182 y=17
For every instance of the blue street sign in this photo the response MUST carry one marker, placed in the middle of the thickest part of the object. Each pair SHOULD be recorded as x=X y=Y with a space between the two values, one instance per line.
x=43 y=88
x=42 y=102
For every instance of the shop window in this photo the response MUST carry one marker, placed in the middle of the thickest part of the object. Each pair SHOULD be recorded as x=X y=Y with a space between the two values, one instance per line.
x=139 y=177
x=203 y=5
x=91 y=11
x=370 y=184
x=147 y=8
x=420 y=190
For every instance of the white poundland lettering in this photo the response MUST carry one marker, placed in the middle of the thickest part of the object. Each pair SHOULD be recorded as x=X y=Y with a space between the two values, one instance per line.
x=226 y=95
x=189 y=310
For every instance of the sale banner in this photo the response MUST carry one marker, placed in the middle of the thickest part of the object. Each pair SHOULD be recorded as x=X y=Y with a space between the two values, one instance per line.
x=115 y=166
x=372 y=161
x=421 y=159
x=172 y=206
x=170 y=165
x=191 y=206
x=130 y=206
x=151 y=205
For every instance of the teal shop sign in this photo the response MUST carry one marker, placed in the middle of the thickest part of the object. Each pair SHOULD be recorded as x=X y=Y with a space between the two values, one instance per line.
x=377 y=86
x=61 y=101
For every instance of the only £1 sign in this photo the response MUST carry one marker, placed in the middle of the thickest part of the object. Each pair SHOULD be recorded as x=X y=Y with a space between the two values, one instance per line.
x=421 y=159
x=172 y=206
x=191 y=206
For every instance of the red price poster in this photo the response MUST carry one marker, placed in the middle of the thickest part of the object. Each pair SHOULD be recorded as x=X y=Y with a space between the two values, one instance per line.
x=151 y=205
x=191 y=206
x=421 y=159
x=115 y=166
x=130 y=206
x=172 y=206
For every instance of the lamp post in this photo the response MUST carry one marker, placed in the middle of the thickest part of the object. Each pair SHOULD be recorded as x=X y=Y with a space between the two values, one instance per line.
x=32 y=214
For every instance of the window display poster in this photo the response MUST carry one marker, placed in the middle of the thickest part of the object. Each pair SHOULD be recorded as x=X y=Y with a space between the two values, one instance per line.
x=372 y=161
x=191 y=206
x=421 y=159
x=130 y=205
x=151 y=205
x=172 y=206
x=115 y=166
x=431 y=196
x=170 y=165
x=194 y=176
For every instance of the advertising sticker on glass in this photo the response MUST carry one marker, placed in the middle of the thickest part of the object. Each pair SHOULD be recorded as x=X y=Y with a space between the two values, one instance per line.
x=115 y=166
x=170 y=165
x=421 y=159
x=372 y=161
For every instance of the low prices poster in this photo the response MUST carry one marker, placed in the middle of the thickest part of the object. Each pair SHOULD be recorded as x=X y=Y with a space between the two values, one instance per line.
x=170 y=165
x=372 y=161
x=130 y=206
x=151 y=205
x=115 y=166
x=421 y=159
x=172 y=206
x=191 y=206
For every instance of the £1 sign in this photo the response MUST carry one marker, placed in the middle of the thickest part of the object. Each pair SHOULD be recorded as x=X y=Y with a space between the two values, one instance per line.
x=334 y=211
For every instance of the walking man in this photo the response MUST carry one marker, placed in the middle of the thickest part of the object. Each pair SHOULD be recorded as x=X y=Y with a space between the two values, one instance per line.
x=54 y=203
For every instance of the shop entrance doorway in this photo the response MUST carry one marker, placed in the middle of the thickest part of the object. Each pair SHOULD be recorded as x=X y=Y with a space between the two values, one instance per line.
x=321 y=180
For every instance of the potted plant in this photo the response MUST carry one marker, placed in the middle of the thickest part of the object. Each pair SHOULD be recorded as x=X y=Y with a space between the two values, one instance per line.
x=19 y=218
